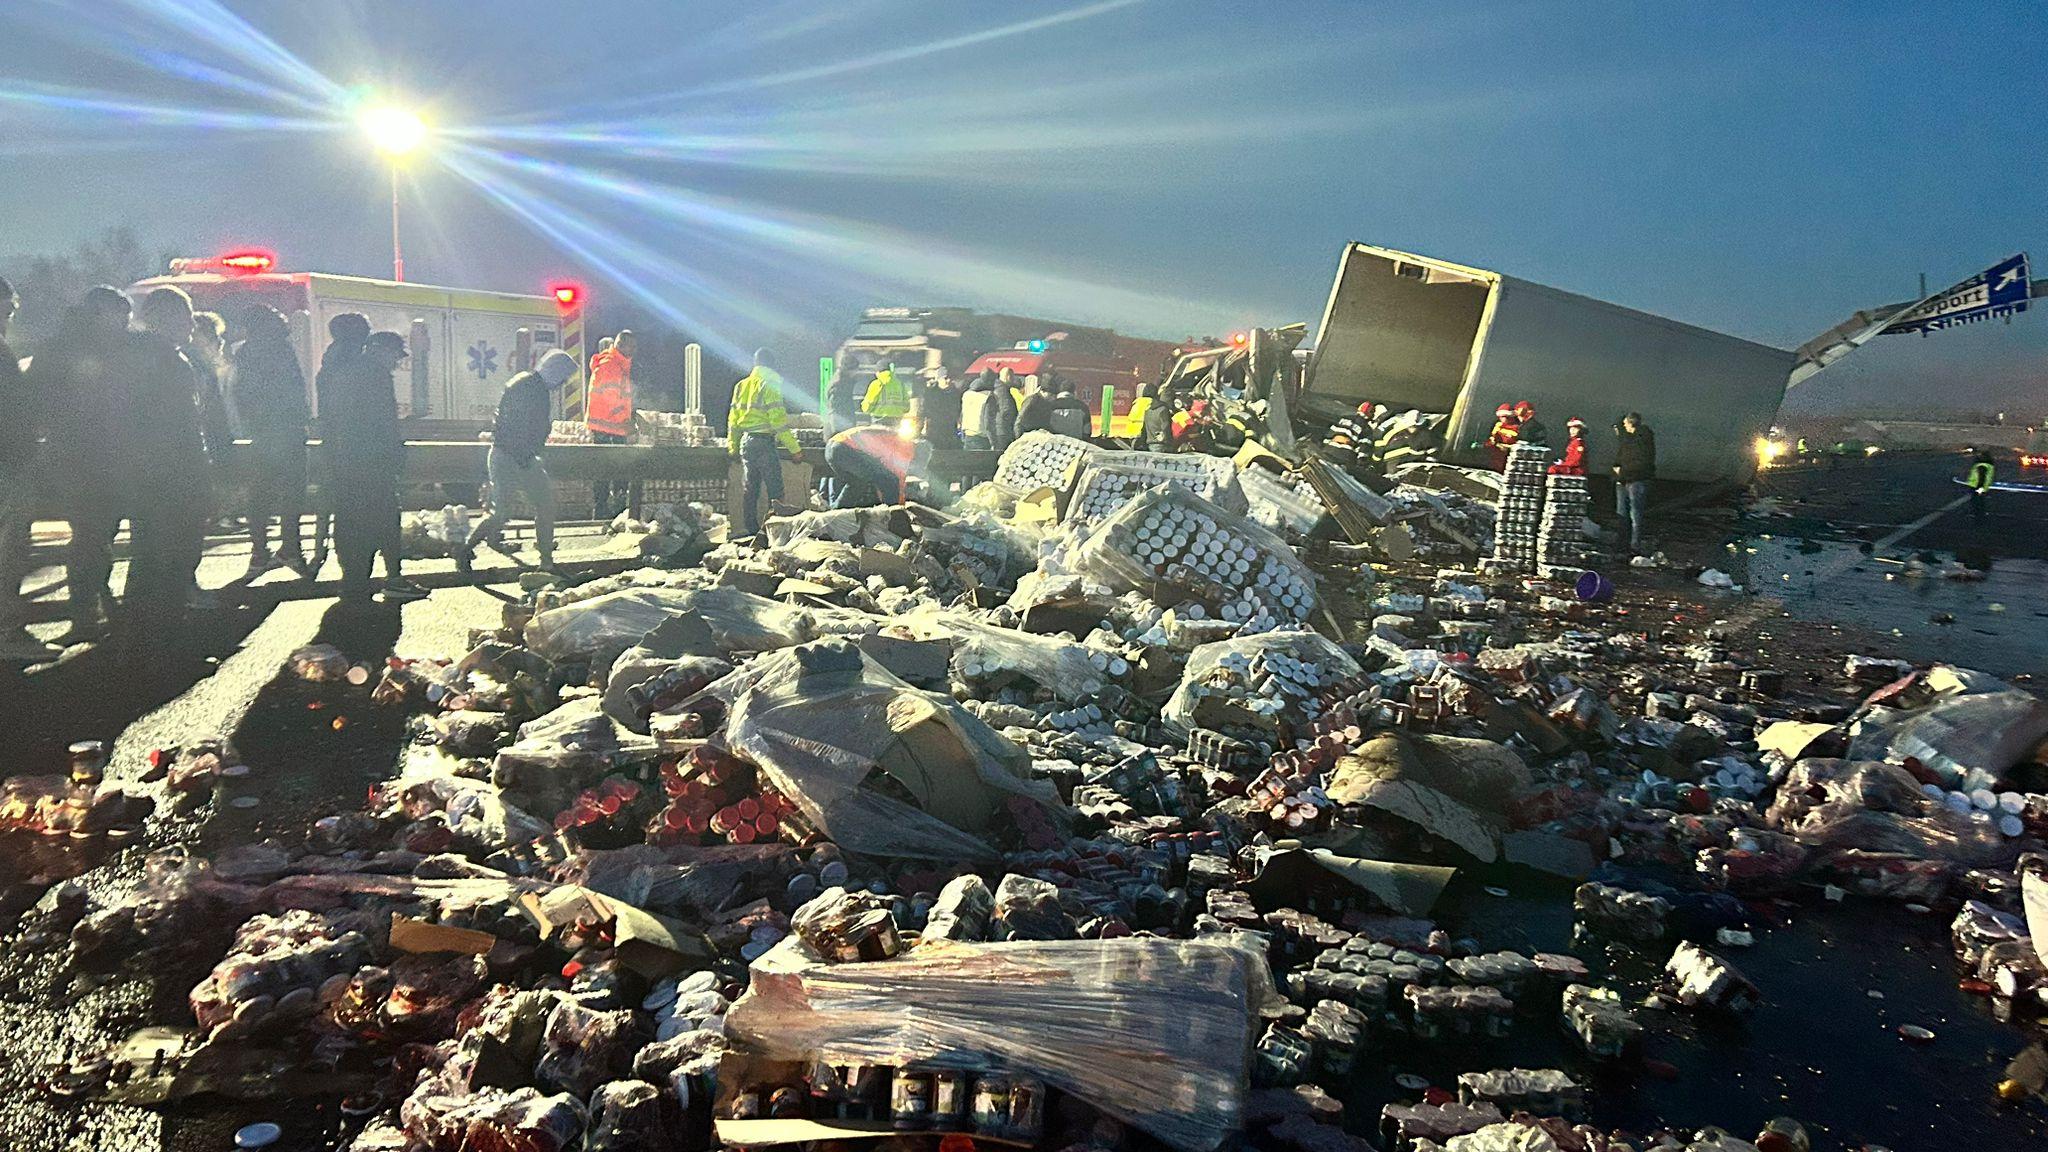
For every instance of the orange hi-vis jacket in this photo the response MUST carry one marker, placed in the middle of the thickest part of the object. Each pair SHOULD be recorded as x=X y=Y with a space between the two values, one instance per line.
x=608 y=407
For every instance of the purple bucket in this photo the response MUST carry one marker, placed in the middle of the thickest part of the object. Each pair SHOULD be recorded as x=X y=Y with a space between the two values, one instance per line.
x=1593 y=588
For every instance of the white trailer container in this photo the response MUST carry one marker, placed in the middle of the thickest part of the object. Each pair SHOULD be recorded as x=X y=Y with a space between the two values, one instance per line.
x=464 y=344
x=1413 y=331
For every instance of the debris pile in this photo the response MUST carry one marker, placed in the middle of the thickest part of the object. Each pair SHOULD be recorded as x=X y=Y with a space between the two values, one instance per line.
x=1080 y=829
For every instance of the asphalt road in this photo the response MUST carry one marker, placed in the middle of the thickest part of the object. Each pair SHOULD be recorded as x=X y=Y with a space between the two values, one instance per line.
x=222 y=673
x=1872 y=499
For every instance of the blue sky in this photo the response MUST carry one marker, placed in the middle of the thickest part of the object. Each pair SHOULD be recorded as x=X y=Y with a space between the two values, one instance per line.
x=1166 y=167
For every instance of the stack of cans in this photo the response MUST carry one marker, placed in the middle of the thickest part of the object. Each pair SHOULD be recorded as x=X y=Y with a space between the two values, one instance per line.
x=1543 y=1091
x=1561 y=540
x=1519 y=522
x=1402 y=1125
x=1603 y=1024
x=1106 y=487
x=1041 y=460
x=1458 y=1010
x=1175 y=538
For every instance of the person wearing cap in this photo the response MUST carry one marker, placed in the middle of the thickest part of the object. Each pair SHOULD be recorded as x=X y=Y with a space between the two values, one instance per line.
x=757 y=433
x=608 y=411
x=525 y=415
x=1528 y=429
x=1573 y=462
x=1506 y=430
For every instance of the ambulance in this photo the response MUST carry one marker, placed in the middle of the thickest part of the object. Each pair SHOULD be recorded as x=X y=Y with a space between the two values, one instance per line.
x=464 y=343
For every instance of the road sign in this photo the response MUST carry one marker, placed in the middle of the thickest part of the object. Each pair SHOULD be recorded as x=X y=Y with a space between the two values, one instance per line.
x=2000 y=290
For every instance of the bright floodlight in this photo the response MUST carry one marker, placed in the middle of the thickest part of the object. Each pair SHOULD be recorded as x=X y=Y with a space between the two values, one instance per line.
x=394 y=131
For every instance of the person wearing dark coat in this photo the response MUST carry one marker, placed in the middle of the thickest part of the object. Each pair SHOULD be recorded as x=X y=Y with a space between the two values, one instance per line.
x=1002 y=412
x=515 y=463
x=163 y=471
x=938 y=411
x=1635 y=465
x=365 y=452
x=270 y=397
x=1035 y=414
x=77 y=393
x=20 y=475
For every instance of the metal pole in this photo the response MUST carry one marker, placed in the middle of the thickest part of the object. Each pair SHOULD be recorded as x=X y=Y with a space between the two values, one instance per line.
x=397 y=254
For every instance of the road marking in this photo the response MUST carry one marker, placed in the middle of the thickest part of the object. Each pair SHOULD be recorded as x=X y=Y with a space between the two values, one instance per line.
x=1922 y=522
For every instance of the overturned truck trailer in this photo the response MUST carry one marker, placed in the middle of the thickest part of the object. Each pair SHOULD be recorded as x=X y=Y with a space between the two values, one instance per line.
x=1410 y=331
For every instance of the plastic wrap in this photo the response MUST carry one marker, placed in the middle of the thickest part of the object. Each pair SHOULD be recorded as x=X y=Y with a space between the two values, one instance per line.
x=1041 y=460
x=868 y=526
x=611 y=622
x=1172 y=538
x=837 y=734
x=1156 y=1033
x=1261 y=679
x=1110 y=479
x=1283 y=504
x=1842 y=804
x=522 y=1119
x=615 y=621
x=1970 y=734
x=582 y=1048
x=986 y=654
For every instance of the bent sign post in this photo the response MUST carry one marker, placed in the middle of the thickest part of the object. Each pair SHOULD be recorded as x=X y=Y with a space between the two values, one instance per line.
x=2000 y=290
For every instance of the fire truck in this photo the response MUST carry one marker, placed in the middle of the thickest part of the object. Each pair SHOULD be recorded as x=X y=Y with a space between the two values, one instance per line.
x=464 y=343
x=963 y=342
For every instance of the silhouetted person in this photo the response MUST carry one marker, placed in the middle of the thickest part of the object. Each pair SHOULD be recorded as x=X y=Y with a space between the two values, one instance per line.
x=77 y=389
x=19 y=486
x=270 y=398
x=163 y=462
x=366 y=454
x=515 y=464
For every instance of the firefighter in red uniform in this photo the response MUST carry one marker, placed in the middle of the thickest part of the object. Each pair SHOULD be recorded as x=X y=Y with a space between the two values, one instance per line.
x=608 y=408
x=1573 y=462
x=1507 y=428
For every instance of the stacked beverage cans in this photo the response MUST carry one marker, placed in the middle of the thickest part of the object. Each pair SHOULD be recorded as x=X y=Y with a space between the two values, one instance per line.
x=1519 y=523
x=1561 y=539
x=1544 y=1091
x=1603 y=1024
x=1187 y=544
x=1106 y=487
x=1041 y=460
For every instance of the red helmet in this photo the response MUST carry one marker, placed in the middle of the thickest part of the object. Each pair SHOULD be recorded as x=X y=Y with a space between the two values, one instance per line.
x=1504 y=410
x=1365 y=408
x=1524 y=409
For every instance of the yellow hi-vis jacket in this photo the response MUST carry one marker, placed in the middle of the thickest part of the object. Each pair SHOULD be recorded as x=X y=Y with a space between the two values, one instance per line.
x=757 y=407
x=888 y=398
x=1981 y=476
